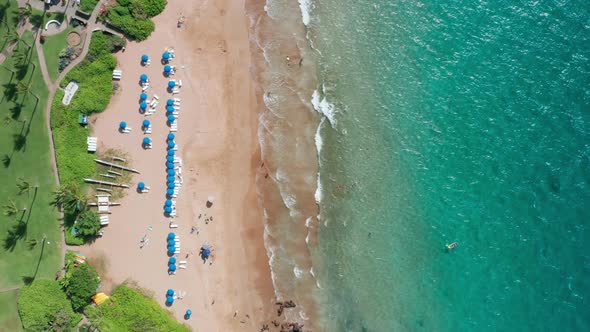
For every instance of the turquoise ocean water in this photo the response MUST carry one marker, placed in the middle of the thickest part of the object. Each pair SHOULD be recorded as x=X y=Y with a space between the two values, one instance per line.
x=463 y=121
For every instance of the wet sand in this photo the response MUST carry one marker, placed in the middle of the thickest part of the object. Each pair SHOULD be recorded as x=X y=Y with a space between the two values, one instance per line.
x=217 y=139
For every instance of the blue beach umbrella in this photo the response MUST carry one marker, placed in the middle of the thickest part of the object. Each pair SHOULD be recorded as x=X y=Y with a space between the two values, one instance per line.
x=169 y=159
x=171 y=136
x=141 y=186
x=168 y=203
x=170 y=178
x=169 y=102
x=170 y=299
x=171 y=172
x=188 y=313
x=170 y=192
x=143 y=105
x=171 y=118
x=171 y=235
x=143 y=78
x=170 y=153
x=169 y=109
x=145 y=123
x=166 y=56
x=171 y=243
x=170 y=292
x=167 y=68
x=144 y=58
x=171 y=144
x=123 y=125
x=172 y=268
x=172 y=260
x=170 y=165
x=206 y=253
x=168 y=210
x=170 y=185
x=171 y=84
x=171 y=251
x=143 y=96
x=146 y=141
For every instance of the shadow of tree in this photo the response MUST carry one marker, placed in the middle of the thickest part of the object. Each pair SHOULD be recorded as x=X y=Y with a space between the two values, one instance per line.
x=28 y=280
x=10 y=90
x=6 y=159
x=15 y=111
x=17 y=232
x=20 y=142
x=36 y=20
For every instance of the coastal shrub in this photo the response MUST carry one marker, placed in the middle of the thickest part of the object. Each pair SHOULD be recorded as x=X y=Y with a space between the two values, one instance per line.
x=103 y=44
x=88 y=224
x=87 y=6
x=82 y=283
x=42 y=306
x=133 y=16
x=129 y=310
x=74 y=163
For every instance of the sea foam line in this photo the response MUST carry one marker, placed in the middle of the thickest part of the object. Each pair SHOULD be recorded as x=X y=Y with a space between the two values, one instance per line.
x=305 y=6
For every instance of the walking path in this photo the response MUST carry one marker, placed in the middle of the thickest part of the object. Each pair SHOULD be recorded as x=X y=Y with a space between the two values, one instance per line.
x=52 y=87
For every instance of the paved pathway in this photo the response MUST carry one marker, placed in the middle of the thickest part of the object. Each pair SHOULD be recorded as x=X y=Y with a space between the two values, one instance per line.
x=93 y=25
x=53 y=86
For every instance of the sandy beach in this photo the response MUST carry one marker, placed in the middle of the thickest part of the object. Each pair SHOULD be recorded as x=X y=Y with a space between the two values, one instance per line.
x=217 y=140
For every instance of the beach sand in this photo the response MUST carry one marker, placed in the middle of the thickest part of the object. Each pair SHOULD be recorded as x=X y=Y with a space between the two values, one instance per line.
x=217 y=139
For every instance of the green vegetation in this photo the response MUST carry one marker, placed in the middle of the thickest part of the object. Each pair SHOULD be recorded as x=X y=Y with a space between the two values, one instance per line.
x=88 y=5
x=134 y=16
x=29 y=227
x=52 y=47
x=75 y=164
x=129 y=309
x=94 y=78
x=42 y=306
x=81 y=283
x=8 y=21
x=9 y=319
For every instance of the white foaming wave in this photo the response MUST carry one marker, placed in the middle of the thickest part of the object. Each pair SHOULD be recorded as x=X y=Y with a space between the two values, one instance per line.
x=297 y=272
x=305 y=6
x=271 y=255
x=288 y=199
x=319 y=143
x=309 y=222
x=323 y=106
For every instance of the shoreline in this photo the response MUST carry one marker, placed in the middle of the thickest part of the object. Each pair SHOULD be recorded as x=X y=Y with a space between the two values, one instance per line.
x=217 y=139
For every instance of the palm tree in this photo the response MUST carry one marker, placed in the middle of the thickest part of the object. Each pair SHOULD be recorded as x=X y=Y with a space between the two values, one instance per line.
x=69 y=198
x=10 y=208
x=25 y=12
x=11 y=36
x=23 y=186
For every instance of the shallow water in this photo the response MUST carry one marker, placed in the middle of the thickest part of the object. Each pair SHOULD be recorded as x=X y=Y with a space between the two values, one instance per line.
x=440 y=122
x=461 y=122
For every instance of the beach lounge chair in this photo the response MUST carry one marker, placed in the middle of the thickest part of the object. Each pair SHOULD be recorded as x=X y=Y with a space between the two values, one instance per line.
x=148 y=130
x=156 y=97
x=180 y=83
x=103 y=199
x=174 y=126
x=154 y=103
x=173 y=213
x=181 y=262
x=146 y=189
x=171 y=225
x=145 y=87
x=180 y=172
x=176 y=108
x=180 y=266
x=148 y=146
x=175 y=91
x=103 y=209
x=104 y=220
x=127 y=130
x=149 y=62
x=150 y=112
x=177 y=99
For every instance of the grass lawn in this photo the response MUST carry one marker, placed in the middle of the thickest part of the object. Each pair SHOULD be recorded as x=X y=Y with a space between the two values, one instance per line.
x=88 y=5
x=7 y=20
x=24 y=151
x=9 y=319
x=51 y=48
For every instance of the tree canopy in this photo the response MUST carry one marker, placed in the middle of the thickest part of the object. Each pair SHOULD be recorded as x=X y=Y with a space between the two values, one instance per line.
x=88 y=224
x=81 y=285
x=42 y=306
